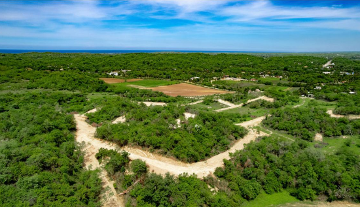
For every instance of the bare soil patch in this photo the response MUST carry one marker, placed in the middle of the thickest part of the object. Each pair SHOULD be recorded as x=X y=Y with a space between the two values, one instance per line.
x=184 y=89
x=351 y=117
x=318 y=137
x=116 y=80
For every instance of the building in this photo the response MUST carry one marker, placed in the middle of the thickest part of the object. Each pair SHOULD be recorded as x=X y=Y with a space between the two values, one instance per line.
x=317 y=88
x=114 y=73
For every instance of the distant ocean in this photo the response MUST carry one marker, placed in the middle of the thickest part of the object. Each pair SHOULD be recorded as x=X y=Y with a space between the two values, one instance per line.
x=121 y=51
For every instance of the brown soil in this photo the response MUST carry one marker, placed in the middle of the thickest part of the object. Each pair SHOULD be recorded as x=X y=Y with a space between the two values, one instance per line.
x=184 y=89
x=116 y=80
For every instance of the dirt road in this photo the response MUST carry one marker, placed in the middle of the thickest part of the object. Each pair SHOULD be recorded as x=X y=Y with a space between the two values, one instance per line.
x=351 y=117
x=233 y=106
x=158 y=163
x=84 y=135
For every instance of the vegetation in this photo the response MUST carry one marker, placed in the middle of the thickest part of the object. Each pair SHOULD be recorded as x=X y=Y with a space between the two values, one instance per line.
x=40 y=163
x=274 y=164
x=156 y=128
x=310 y=121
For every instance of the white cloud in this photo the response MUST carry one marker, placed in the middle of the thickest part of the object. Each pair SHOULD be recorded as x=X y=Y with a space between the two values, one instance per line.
x=188 y=5
x=66 y=11
x=265 y=9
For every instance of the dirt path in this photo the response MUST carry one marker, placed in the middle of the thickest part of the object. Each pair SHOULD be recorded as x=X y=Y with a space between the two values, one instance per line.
x=194 y=103
x=227 y=103
x=233 y=106
x=120 y=119
x=155 y=103
x=84 y=135
x=351 y=117
x=302 y=103
x=157 y=163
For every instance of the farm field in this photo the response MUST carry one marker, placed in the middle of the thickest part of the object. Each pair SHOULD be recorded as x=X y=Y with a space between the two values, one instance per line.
x=184 y=89
x=147 y=83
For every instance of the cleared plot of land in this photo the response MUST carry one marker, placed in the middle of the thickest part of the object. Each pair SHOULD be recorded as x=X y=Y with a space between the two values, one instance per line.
x=116 y=80
x=350 y=144
x=184 y=89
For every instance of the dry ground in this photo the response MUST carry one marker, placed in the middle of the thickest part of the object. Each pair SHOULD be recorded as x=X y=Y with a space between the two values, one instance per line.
x=184 y=89
x=116 y=80
x=331 y=113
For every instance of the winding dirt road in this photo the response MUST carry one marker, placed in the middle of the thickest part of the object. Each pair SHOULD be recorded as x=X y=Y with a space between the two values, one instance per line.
x=157 y=163
x=351 y=117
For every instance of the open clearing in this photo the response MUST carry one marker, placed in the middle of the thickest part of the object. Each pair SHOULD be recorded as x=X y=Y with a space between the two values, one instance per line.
x=184 y=89
x=116 y=80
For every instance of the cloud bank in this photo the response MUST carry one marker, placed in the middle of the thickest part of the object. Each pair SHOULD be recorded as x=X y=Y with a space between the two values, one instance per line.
x=181 y=24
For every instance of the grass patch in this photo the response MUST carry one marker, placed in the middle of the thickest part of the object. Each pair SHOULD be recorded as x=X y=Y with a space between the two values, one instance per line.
x=275 y=133
x=323 y=104
x=249 y=111
x=351 y=143
x=210 y=107
x=275 y=199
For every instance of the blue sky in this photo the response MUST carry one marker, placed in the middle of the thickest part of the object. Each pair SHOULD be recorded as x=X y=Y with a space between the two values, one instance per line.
x=228 y=25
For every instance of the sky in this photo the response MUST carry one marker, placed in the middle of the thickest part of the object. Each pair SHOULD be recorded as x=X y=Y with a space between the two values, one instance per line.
x=205 y=25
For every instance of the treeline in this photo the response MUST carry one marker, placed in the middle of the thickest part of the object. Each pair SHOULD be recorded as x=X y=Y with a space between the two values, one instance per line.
x=305 y=122
x=181 y=66
x=40 y=164
x=190 y=140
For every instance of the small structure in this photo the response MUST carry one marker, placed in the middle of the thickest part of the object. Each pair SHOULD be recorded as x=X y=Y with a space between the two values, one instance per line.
x=352 y=92
x=253 y=79
x=194 y=78
x=327 y=73
x=317 y=88
x=329 y=65
x=114 y=73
